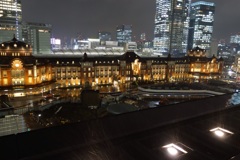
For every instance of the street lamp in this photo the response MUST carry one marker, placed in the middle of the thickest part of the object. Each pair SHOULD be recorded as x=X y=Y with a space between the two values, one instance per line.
x=38 y=117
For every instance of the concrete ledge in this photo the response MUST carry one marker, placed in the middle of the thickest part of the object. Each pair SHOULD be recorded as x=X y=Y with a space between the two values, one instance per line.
x=180 y=91
x=90 y=132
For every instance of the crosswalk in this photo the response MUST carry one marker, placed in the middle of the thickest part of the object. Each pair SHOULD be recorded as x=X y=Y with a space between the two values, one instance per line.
x=12 y=124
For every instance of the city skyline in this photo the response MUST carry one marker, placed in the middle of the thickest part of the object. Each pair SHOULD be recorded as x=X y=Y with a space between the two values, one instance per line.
x=171 y=26
x=86 y=18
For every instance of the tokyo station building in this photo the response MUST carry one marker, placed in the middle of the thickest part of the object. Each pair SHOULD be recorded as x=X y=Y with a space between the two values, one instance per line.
x=19 y=68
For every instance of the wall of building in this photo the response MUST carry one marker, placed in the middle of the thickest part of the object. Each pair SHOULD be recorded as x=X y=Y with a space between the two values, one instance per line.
x=18 y=68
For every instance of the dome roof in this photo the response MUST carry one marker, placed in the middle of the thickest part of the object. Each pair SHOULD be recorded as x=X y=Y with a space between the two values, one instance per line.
x=14 y=44
x=198 y=49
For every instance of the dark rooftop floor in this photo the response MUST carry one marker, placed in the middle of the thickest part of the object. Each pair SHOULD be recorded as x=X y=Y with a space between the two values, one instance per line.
x=137 y=135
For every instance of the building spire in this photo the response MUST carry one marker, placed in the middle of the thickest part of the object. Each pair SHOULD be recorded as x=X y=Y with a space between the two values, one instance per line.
x=14 y=38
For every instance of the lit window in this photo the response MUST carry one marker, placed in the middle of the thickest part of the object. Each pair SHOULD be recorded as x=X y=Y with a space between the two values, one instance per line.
x=5 y=81
x=30 y=79
x=30 y=72
x=4 y=73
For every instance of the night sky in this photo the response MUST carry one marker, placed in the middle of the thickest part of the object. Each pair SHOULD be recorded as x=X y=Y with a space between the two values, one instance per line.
x=70 y=18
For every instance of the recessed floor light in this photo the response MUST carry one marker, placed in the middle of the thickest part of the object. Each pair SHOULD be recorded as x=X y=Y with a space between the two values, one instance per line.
x=174 y=149
x=220 y=132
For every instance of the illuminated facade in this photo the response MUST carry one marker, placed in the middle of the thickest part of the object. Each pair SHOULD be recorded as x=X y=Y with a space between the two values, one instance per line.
x=201 y=24
x=236 y=67
x=171 y=26
x=19 y=68
x=129 y=67
x=10 y=19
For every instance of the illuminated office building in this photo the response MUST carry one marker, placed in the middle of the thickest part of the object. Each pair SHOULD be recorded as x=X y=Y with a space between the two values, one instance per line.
x=171 y=24
x=10 y=19
x=104 y=36
x=124 y=34
x=38 y=35
x=56 y=43
x=201 y=24
x=143 y=37
x=235 y=39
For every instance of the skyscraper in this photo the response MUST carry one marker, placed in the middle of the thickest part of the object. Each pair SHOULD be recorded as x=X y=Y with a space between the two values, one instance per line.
x=171 y=24
x=201 y=24
x=10 y=19
x=124 y=34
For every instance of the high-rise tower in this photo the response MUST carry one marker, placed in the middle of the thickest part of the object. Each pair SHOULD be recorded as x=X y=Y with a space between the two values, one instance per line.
x=10 y=19
x=124 y=34
x=171 y=25
x=201 y=24
x=38 y=35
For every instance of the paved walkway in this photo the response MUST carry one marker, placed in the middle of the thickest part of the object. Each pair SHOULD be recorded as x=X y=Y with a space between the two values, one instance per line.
x=24 y=101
